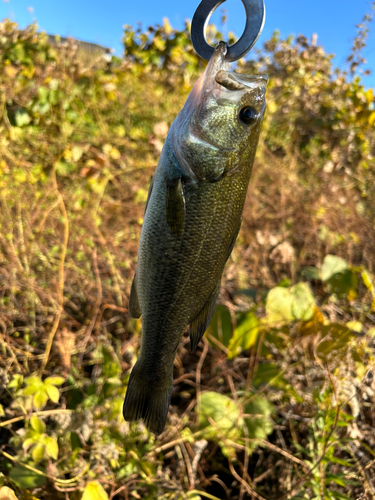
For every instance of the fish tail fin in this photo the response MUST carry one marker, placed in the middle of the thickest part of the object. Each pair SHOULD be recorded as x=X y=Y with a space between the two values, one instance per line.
x=146 y=400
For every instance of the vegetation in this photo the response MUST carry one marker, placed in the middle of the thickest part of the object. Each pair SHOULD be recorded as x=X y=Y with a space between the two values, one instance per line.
x=277 y=402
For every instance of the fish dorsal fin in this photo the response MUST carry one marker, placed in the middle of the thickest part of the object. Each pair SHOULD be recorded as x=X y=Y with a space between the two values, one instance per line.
x=199 y=325
x=175 y=206
x=134 y=307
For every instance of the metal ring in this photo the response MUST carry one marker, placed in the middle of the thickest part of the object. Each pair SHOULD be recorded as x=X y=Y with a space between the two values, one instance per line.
x=255 y=16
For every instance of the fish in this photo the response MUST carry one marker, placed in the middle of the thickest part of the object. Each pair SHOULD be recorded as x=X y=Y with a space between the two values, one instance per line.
x=192 y=218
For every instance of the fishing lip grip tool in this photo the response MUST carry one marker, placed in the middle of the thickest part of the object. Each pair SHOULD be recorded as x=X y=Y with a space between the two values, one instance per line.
x=255 y=16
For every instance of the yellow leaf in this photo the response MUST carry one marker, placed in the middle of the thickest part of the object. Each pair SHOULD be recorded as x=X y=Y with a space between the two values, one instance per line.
x=38 y=452
x=115 y=154
x=37 y=424
x=369 y=94
x=167 y=27
x=355 y=326
x=51 y=447
x=40 y=399
x=271 y=106
x=54 y=380
x=7 y=494
x=11 y=71
x=371 y=119
x=94 y=491
x=27 y=496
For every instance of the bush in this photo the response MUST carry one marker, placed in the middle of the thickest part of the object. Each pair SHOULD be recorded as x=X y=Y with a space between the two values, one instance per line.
x=278 y=399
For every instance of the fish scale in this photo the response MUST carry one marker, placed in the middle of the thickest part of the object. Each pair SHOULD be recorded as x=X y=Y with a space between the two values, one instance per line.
x=192 y=218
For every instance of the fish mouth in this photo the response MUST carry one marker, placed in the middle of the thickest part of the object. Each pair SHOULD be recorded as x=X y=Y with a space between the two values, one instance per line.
x=237 y=81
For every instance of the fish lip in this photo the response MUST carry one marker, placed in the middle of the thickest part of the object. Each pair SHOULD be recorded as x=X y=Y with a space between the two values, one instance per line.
x=233 y=81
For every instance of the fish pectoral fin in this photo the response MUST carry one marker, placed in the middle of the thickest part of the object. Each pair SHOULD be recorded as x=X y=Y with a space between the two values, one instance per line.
x=175 y=206
x=199 y=325
x=134 y=307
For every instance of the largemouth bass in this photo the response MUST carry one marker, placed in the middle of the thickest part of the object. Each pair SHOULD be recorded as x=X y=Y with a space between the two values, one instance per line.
x=192 y=219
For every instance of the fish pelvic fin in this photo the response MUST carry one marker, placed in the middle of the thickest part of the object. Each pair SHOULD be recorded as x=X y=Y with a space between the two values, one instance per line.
x=134 y=307
x=199 y=325
x=148 y=401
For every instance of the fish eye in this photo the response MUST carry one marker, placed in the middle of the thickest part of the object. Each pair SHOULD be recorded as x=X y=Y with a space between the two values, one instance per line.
x=248 y=115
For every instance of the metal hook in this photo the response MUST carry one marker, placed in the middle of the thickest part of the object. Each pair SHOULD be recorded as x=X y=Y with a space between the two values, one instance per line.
x=255 y=16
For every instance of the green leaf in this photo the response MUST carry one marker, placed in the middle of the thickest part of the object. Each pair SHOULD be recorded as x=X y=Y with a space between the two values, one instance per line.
x=38 y=452
x=37 y=424
x=340 y=496
x=223 y=411
x=303 y=304
x=53 y=393
x=279 y=305
x=22 y=118
x=336 y=479
x=310 y=273
x=224 y=414
x=25 y=478
x=94 y=491
x=336 y=340
x=331 y=266
x=259 y=422
x=40 y=399
x=340 y=461
x=43 y=94
x=265 y=373
x=52 y=448
x=221 y=326
x=54 y=380
x=343 y=284
x=245 y=334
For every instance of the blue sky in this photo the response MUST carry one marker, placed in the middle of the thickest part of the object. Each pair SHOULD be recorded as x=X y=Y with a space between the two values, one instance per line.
x=102 y=21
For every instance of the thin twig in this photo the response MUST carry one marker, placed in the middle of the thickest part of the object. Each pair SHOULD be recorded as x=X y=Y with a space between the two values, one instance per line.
x=61 y=275
x=96 y=305
x=189 y=468
x=244 y=483
x=44 y=413
x=198 y=374
x=199 y=448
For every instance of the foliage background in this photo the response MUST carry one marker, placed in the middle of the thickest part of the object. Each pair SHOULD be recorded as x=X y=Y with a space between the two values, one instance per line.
x=278 y=400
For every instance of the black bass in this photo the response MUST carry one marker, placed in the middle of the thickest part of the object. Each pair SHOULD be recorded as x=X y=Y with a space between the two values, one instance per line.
x=192 y=219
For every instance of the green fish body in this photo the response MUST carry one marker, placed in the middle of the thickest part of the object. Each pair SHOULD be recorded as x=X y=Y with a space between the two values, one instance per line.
x=192 y=219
